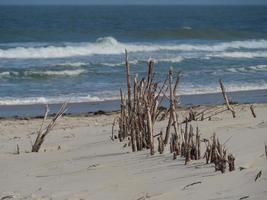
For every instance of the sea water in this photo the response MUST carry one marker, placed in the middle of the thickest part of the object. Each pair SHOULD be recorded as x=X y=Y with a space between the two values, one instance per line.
x=52 y=53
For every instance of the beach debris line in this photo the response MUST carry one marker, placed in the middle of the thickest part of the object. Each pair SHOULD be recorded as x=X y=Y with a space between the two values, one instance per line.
x=42 y=132
x=141 y=109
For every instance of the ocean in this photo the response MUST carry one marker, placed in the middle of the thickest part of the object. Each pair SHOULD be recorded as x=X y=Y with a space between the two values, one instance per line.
x=52 y=53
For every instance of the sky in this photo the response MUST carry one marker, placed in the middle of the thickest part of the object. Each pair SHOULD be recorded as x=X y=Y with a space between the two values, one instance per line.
x=161 y=2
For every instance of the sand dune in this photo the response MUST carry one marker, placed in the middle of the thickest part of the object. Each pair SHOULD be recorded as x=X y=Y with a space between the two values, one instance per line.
x=89 y=165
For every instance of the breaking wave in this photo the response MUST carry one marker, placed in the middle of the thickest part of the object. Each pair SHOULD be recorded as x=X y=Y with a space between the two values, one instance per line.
x=239 y=54
x=171 y=60
x=69 y=64
x=251 y=69
x=134 y=62
x=184 y=90
x=109 y=46
x=209 y=89
x=55 y=73
x=10 y=74
x=45 y=100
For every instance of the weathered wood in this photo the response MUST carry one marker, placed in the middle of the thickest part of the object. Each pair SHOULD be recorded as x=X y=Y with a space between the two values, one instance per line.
x=18 y=151
x=252 y=111
x=160 y=143
x=189 y=185
x=173 y=117
x=174 y=155
x=128 y=77
x=198 y=153
x=266 y=150
x=229 y=107
x=43 y=132
x=150 y=131
x=112 y=131
x=231 y=162
x=258 y=175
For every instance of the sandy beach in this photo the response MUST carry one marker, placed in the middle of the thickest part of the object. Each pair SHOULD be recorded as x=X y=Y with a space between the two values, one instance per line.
x=133 y=100
x=78 y=160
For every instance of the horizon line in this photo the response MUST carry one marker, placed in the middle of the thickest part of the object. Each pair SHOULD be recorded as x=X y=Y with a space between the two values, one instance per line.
x=119 y=4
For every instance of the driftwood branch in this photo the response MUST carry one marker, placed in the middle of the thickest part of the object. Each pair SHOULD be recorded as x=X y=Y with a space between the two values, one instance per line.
x=252 y=111
x=229 y=107
x=189 y=185
x=258 y=175
x=42 y=132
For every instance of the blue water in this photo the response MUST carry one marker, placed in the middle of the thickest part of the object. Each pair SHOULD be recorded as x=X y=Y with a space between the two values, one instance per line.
x=52 y=53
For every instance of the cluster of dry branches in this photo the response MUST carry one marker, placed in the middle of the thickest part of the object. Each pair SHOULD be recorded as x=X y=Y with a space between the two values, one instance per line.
x=216 y=153
x=142 y=109
x=187 y=147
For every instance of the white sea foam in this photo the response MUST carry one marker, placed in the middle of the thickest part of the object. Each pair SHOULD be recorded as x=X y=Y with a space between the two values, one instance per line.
x=209 y=89
x=51 y=100
x=171 y=60
x=239 y=54
x=259 y=68
x=4 y=74
x=70 y=64
x=110 y=45
x=183 y=90
x=55 y=73
x=8 y=74
x=133 y=62
x=250 y=69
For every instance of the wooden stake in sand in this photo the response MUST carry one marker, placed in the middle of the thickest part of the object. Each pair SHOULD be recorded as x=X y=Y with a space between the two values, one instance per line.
x=173 y=117
x=18 y=151
x=231 y=162
x=44 y=132
x=160 y=143
x=252 y=111
x=229 y=107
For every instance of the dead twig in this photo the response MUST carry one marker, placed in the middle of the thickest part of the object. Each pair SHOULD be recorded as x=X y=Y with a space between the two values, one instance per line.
x=189 y=185
x=258 y=175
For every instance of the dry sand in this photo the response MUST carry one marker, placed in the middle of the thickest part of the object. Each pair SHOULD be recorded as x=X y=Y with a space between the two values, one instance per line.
x=88 y=165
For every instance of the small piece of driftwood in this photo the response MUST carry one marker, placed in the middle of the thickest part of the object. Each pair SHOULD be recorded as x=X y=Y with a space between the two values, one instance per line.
x=258 y=175
x=244 y=197
x=189 y=185
x=18 y=151
x=44 y=131
x=252 y=111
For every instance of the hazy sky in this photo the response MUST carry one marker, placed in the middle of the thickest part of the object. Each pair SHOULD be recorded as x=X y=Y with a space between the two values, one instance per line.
x=162 y=2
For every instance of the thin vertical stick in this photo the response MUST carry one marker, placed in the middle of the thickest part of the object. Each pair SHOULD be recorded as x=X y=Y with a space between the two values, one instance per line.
x=150 y=131
x=266 y=150
x=252 y=111
x=127 y=65
x=226 y=99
